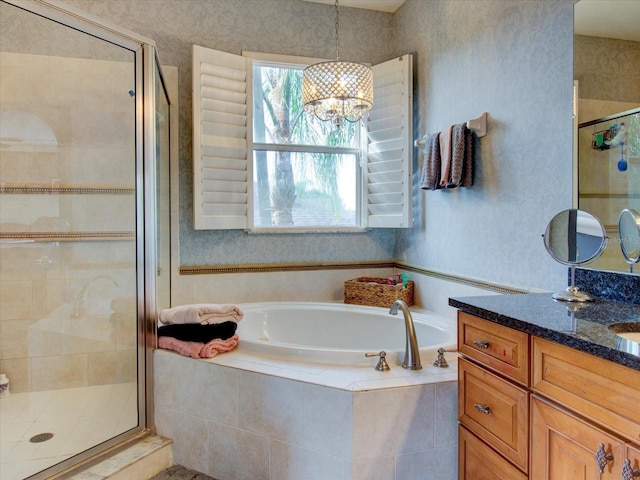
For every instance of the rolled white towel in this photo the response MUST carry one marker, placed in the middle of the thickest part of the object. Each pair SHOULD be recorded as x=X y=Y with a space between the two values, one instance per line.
x=202 y=313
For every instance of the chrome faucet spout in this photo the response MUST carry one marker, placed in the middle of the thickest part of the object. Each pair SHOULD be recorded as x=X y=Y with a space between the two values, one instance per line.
x=412 y=352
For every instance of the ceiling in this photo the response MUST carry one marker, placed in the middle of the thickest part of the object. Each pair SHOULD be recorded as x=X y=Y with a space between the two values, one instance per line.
x=612 y=19
x=389 y=6
x=599 y=18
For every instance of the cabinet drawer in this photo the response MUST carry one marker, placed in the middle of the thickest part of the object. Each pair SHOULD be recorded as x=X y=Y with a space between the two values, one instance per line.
x=565 y=446
x=500 y=348
x=495 y=410
x=600 y=390
x=476 y=461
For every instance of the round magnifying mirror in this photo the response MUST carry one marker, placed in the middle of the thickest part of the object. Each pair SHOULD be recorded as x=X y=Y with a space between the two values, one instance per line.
x=629 y=231
x=574 y=237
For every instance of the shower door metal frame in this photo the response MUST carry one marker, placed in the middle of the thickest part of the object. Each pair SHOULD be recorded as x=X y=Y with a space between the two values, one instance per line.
x=146 y=61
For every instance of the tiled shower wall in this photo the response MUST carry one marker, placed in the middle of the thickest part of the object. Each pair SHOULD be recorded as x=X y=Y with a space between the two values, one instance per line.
x=42 y=345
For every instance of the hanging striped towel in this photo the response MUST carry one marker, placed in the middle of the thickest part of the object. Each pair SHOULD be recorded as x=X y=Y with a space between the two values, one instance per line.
x=469 y=157
x=430 y=177
x=458 y=154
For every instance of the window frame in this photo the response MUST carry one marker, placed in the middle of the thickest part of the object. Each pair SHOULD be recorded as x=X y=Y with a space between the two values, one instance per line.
x=223 y=145
x=297 y=62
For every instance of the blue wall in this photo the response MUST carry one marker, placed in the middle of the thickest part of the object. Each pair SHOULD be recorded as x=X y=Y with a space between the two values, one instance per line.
x=511 y=58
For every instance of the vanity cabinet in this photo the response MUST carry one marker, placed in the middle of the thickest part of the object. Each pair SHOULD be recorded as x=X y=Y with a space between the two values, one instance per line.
x=532 y=408
x=493 y=400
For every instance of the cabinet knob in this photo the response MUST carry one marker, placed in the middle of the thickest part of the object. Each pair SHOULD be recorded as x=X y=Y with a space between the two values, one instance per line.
x=629 y=473
x=602 y=458
x=482 y=345
x=482 y=408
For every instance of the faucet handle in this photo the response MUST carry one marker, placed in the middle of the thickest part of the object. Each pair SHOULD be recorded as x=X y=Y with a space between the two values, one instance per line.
x=441 y=362
x=382 y=365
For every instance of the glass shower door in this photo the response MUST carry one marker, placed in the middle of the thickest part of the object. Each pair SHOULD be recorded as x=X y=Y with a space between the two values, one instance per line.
x=71 y=268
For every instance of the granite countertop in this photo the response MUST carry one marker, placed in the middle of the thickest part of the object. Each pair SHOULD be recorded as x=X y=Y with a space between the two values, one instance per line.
x=586 y=329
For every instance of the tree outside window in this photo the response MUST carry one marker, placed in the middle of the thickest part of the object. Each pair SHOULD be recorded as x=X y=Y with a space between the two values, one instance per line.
x=305 y=170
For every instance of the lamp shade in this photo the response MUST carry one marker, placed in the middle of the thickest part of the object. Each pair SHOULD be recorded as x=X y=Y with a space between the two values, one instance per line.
x=337 y=90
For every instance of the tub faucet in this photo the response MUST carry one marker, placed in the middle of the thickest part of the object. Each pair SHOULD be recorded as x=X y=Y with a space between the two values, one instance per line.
x=412 y=352
x=78 y=305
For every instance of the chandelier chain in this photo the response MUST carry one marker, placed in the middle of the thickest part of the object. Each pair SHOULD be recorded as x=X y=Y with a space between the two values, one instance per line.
x=337 y=35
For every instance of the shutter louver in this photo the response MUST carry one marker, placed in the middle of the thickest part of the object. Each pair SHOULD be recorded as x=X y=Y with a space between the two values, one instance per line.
x=221 y=139
x=389 y=166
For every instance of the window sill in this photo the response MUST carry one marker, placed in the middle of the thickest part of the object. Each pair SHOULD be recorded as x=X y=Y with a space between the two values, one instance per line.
x=302 y=230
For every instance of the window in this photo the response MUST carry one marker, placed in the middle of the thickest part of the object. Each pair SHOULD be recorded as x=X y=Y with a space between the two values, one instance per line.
x=304 y=171
x=260 y=163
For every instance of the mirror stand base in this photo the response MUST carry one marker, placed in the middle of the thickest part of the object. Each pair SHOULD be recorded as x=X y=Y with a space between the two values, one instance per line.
x=572 y=294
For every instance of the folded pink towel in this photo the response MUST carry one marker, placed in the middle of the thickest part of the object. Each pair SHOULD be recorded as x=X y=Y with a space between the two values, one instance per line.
x=188 y=349
x=198 y=349
x=202 y=313
x=217 y=346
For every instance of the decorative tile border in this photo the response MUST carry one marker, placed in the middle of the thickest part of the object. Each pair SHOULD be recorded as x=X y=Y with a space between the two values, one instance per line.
x=301 y=267
x=26 y=237
x=34 y=189
x=281 y=267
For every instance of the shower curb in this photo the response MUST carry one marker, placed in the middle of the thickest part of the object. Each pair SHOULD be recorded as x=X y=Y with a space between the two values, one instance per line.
x=140 y=461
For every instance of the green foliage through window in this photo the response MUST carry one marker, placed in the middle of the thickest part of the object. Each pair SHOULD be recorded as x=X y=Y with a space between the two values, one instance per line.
x=305 y=170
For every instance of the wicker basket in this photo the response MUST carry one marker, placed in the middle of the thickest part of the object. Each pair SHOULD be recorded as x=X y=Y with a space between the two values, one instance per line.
x=376 y=292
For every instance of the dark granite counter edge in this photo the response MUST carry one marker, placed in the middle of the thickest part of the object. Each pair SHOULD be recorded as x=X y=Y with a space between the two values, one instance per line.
x=585 y=346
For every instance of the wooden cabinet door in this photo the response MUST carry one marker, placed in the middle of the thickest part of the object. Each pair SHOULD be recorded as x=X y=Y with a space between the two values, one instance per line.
x=564 y=447
x=476 y=461
x=633 y=455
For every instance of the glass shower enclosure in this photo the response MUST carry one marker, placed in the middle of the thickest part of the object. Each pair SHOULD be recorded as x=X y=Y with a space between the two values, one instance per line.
x=84 y=161
x=609 y=176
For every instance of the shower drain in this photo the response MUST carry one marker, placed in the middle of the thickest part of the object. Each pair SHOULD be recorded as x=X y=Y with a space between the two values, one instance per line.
x=41 y=437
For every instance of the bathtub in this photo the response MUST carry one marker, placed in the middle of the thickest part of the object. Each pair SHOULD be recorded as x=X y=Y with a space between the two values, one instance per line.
x=300 y=400
x=334 y=333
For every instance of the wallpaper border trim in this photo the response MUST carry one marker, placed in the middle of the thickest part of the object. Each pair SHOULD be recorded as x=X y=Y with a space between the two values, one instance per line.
x=318 y=266
x=281 y=267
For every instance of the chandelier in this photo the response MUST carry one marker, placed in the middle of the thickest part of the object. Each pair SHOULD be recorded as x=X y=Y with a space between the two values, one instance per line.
x=337 y=91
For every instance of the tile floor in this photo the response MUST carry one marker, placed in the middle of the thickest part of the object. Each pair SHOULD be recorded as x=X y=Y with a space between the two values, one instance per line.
x=78 y=417
x=178 y=472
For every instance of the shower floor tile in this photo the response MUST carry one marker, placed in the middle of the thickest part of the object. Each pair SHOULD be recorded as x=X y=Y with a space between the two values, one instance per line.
x=78 y=417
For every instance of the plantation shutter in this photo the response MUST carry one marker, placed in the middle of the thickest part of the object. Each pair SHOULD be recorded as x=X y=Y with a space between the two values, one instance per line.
x=222 y=144
x=389 y=165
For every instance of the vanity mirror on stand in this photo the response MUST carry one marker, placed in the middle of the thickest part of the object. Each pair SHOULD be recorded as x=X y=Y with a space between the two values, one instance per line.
x=629 y=228
x=574 y=237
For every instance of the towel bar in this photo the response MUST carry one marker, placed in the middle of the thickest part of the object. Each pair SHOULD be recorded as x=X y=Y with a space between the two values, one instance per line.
x=478 y=125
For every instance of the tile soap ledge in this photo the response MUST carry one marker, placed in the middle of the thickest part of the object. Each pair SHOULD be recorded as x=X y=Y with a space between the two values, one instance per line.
x=586 y=329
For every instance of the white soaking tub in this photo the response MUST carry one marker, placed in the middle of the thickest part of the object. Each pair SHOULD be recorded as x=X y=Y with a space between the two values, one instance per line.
x=337 y=333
